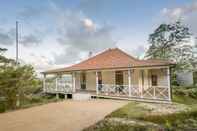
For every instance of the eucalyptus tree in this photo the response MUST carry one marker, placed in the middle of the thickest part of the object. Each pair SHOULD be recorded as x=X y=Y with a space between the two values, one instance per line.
x=15 y=80
x=173 y=42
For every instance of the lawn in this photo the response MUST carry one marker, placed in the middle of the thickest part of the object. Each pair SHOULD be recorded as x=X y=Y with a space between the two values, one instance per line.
x=30 y=101
x=181 y=115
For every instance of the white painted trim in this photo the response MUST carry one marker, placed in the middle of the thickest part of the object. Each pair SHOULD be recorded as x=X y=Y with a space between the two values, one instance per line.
x=129 y=82
x=56 y=87
x=169 y=90
x=97 y=91
x=136 y=99
x=140 y=83
x=56 y=84
x=44 y=83
x=115 y=69
x=74 y=81
x=132 y=68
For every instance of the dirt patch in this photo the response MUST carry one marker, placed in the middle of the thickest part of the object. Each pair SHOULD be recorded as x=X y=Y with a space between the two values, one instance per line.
x=68 y=115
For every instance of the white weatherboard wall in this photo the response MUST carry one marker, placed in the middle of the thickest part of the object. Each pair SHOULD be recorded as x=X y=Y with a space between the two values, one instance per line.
x=135 y=77
x=125 y=77
x=108 y=77
x=77 y=80
x=91 y=81
x=162 y=76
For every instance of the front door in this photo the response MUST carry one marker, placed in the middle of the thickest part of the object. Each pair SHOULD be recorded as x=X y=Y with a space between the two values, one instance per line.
x=83 y=80
x=119 y=77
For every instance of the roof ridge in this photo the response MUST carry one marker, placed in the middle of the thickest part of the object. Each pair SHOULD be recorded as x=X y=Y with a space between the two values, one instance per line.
x=110 y=58
x=92 y=57
x=106 y=51
x=127 y=54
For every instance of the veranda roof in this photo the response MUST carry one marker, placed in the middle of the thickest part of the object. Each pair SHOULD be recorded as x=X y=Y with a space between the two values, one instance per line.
x=110 y=59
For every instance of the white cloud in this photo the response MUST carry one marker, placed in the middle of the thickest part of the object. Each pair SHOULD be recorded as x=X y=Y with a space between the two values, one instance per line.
x=179 y=12
x=174 y=14
x=78 y=34
x=7 y=37
x=88 y=23
x=30 y=40
x=187 y=13
x=40 y=62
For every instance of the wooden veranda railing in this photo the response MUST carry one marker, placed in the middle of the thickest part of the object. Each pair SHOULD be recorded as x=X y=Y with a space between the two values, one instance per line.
x=148 y=92
x=58 y=85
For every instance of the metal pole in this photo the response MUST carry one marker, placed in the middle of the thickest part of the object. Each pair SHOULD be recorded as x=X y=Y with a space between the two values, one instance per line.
x=16 y=42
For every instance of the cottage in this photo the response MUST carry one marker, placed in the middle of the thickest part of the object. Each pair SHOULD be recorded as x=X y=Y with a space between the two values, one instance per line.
x=114 y=74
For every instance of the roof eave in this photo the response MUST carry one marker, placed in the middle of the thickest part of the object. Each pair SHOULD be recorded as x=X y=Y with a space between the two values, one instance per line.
x=69 y=71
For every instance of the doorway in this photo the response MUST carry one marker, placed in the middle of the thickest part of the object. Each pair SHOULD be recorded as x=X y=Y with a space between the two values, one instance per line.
x=119 y=78
x=83 y=80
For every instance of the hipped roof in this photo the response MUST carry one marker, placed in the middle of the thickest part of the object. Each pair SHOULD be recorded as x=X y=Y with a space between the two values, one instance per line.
x=110 y=59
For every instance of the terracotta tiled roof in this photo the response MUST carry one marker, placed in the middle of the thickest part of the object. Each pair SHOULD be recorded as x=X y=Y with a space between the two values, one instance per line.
x=109 y=59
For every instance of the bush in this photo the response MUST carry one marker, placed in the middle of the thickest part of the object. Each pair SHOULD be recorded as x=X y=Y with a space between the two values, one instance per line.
x=190 y=91
x=48 y=96
x=173 y=121
x=2 y=105
x=36 y=99
x=106 y=125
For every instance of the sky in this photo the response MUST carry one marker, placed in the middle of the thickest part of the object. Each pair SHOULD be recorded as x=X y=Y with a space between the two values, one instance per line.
x=58 y=33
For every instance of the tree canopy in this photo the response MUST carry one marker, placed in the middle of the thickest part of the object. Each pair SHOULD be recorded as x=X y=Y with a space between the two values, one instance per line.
x=173 y=42
x=14 y=79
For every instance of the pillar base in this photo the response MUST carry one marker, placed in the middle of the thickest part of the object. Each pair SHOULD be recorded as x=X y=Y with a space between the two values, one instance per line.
x=65 y=96
x=57 y=96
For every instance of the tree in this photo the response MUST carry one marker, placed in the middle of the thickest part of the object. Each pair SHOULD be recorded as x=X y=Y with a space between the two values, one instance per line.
x=14 y=80
x=171 y=42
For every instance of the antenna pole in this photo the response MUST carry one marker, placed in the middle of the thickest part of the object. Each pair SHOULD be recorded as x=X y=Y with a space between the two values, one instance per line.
x=16 y=42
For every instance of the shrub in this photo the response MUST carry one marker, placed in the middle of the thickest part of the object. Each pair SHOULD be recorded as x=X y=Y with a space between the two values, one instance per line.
x=36 y=99
x=2 y=105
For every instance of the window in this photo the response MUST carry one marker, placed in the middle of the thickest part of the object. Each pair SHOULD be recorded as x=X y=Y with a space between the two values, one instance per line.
x=154 y=80
x=119 y=77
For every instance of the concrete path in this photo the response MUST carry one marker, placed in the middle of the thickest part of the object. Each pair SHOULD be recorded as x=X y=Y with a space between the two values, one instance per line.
x=68 y=115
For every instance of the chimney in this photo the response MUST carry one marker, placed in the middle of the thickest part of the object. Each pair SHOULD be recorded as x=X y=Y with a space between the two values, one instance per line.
x=90 y=54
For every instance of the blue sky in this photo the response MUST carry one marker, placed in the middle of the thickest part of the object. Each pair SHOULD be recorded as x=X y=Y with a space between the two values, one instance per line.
x=55 y=33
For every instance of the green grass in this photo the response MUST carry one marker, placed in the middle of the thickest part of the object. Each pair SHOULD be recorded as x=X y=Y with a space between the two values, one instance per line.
x=176 y=120
x=181 y=121
x=131 y=110
x=185 y=95
x=30 y=101
x=109 y=126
